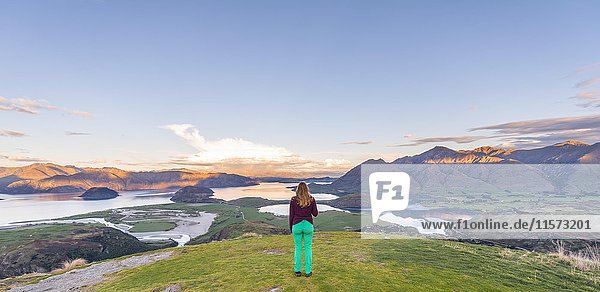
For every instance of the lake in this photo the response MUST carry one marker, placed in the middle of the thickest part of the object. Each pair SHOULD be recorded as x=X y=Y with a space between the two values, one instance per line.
x=272 y=191
x=32 y=207
x=284 y=209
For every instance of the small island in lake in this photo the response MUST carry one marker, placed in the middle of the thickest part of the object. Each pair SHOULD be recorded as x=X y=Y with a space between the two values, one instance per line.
x=99 y=193
x=195 y=194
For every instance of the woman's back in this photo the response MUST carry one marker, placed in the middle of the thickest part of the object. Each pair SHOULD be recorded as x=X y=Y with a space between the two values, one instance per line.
x=297 y=213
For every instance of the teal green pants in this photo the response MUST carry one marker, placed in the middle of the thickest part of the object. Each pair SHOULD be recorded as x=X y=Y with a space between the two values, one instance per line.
x=303 y=231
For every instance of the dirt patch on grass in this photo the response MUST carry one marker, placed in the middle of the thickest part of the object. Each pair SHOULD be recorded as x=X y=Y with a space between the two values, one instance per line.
x=172 y=288
x=274 y=251
x=79 y=278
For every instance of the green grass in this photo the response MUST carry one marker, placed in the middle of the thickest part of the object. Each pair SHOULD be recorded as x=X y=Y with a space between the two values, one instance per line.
x=151 y=226
x=10 y=239
x=108 y=215
x=8 y=283
x=337 y=221
x=343 y=261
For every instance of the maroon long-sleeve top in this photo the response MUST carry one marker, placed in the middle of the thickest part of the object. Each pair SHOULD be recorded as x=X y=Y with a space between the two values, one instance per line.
x=297 y=213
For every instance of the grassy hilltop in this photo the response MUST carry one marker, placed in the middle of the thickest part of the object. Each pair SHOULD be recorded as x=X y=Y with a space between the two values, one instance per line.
x=247 y=250
x=343 y=261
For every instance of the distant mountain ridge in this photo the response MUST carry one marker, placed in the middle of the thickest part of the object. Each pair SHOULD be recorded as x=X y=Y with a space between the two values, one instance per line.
x=568 y=152
x=48 y=177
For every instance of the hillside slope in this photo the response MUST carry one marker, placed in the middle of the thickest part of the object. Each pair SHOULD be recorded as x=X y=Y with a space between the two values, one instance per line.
x=44 y=248
x=342 y=261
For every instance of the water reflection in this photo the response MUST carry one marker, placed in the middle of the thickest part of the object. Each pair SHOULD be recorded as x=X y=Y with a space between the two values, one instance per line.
x=283 y=209
x=18 y=208
x=273 y=191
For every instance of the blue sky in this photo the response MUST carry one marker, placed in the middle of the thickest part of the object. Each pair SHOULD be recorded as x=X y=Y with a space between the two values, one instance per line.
x=245 y=86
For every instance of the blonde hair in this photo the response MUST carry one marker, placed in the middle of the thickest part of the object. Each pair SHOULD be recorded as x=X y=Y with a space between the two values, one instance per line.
x=303 y=195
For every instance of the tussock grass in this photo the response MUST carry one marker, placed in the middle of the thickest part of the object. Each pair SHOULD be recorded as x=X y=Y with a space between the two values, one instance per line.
x=587 y=259
x=69 y=265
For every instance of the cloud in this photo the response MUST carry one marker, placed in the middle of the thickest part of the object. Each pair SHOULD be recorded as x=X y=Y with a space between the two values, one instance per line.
x=293 y=167
x=588 y=82
x=69 y=133
x=228 y=148
x=357 y=143
x=588 y=98
x=244 y=157
x=544 y=125
x=22 y=150
x=35 y=106
x=81 y=114
x=10 y=133
x=529 y=133
x=22 y=159
x=24 y=105
x=455 y=139
x=591 y=67
x=542 y=132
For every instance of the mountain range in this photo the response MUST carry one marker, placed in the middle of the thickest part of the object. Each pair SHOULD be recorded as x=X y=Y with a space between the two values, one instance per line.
x=48 y=177
x=568 y=152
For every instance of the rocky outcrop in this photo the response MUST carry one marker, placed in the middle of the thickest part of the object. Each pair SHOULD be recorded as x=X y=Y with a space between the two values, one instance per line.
x=99 y=193
x=87 y=242
x=194 y=194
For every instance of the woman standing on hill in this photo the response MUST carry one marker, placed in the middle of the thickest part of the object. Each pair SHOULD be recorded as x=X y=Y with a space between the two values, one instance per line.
x=302 y=209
